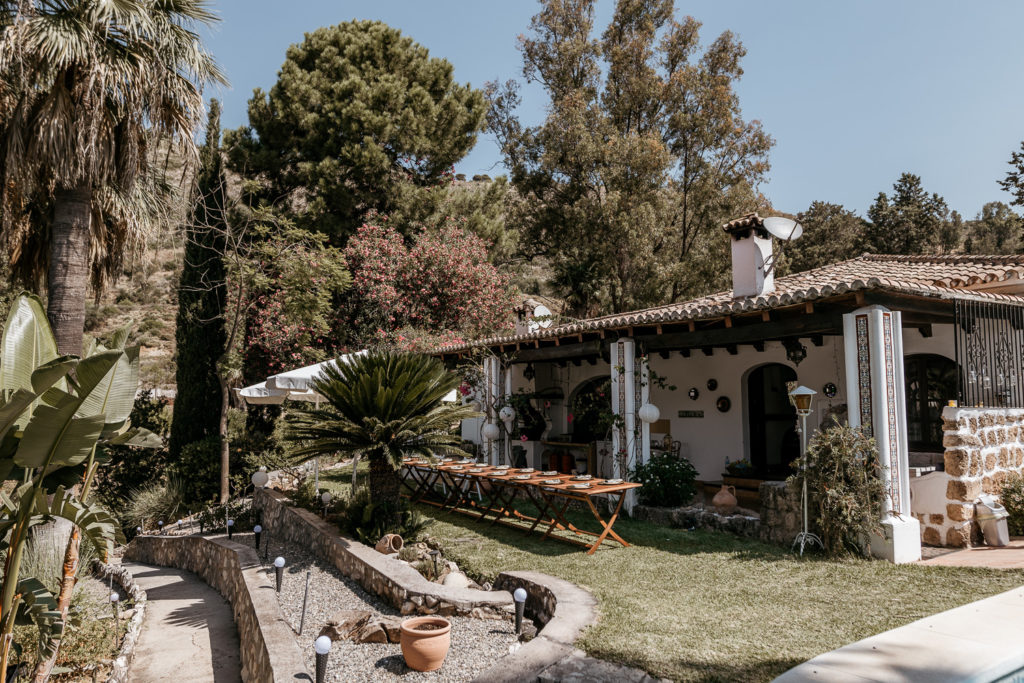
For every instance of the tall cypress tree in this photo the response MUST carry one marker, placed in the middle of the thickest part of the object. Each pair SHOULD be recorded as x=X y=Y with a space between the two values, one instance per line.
x=202 y=291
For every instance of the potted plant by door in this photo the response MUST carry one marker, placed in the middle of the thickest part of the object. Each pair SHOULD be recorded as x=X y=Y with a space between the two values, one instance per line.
x=425 y=642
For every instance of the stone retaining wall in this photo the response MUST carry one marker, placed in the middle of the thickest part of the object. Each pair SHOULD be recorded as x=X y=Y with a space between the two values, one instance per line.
x=779 y=522
x=983 y=446
x=395 y=582
x=267 y=644
x=123 y=578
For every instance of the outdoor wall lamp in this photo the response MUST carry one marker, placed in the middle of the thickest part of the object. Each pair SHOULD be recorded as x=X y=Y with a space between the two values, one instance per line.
x=795 y=351
x=649 y=413
x=528 y=372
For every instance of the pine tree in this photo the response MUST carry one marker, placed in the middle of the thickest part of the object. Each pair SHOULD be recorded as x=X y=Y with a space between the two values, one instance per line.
x=202 y=289
x=910 y=222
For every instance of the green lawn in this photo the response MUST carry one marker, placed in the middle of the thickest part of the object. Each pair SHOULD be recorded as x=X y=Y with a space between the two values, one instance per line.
x=703 y=606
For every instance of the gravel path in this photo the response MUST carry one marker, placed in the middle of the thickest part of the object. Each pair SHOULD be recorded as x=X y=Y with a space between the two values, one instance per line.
x=476 y=643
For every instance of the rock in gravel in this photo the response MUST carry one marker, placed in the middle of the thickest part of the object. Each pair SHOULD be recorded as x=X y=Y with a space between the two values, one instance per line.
x=345 y=623
x=456 y=580
x=372 y=632
x=393 y=628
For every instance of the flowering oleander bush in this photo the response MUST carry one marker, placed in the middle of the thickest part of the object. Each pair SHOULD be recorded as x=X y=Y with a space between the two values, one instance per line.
x=439 y=288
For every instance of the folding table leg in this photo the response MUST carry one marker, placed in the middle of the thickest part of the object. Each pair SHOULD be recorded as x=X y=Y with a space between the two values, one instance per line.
x=607 y=527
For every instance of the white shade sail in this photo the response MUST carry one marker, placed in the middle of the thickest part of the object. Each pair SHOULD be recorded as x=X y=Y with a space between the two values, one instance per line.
x=297 y=385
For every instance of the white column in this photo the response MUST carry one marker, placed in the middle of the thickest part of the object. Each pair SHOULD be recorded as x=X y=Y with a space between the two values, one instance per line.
x=876 y=399
x=624 y=396
x=492 y=390
x=645 y=397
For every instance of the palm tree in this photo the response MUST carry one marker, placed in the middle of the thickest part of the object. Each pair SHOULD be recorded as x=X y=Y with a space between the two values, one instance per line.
x=382 y=406
x=87 y=89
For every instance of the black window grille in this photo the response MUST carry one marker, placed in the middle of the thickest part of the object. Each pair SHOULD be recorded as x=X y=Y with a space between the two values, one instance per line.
x=989 y=346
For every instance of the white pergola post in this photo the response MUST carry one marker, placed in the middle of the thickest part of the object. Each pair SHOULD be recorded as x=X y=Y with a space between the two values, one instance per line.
x=644 y=373
x=876 y=399
x=492 y=390
x=624 y=397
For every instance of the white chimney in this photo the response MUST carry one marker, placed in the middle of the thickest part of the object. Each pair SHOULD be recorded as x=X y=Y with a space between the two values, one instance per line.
x=752 y=274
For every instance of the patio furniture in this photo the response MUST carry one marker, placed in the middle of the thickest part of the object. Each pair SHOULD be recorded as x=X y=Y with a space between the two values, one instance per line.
x=506 y=486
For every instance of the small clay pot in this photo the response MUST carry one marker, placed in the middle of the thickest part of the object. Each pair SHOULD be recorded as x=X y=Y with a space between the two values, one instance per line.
x=390 y=543
x=725 y=499
x=425 y=650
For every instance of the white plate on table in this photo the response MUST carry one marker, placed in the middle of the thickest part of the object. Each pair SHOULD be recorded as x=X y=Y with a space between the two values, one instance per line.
x=475 y=470
x=582 y=477
x=613 y=482
x=552 y=481
x=524 y=470
x=521 y=477
x=502 y=467
x=579 y=486
x=550 y=473
x=455 y=467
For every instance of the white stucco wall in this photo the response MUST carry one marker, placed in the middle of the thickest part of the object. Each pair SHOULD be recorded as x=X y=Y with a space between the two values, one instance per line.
x=709 y=440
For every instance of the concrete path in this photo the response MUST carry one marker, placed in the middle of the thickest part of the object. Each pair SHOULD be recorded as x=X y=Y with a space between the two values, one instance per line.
x=1005 y=557
x=189 y=634
x=976 y=643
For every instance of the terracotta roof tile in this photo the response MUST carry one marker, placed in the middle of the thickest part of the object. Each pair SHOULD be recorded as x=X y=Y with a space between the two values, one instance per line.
x=948 y=277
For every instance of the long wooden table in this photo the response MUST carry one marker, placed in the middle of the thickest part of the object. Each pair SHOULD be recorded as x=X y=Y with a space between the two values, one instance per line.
x=550 y=492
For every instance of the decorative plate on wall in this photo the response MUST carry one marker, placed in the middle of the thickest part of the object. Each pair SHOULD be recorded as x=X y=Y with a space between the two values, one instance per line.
x=723 y=404
x=712 y=384
x=830 y=390
x=693 y=393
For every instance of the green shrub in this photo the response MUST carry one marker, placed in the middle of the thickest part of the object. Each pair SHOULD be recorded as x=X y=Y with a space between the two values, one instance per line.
x=667 y=481
x=161 y=501
x=199 y=469
x=1012 y=497
x=368 y=522
x=844 y=487
x=212 y=518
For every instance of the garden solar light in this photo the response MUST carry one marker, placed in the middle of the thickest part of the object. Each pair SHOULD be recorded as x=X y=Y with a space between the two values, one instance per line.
x=279 y=569
x=179 y=524
x=257 y=530
x=260 y=478
x=231 y=527
x=138 y=530
x=520 y=599
x=161 y=525
x=326 y=497
x=322 y=646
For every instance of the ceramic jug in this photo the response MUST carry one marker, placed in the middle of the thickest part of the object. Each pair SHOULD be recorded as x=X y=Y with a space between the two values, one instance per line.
x=725 y=499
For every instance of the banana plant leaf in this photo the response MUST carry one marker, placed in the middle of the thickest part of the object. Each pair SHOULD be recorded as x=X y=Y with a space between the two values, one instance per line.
x=27 y=343
x=98 y=525
x=38 y=606
x=139 y=437
x=114 y=395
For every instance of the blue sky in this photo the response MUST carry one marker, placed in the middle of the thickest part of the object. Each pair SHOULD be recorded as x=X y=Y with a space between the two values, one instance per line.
x=854 y=93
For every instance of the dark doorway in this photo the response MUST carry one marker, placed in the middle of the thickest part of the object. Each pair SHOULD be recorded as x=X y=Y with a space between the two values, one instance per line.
x=931 y=382
x=774 y=442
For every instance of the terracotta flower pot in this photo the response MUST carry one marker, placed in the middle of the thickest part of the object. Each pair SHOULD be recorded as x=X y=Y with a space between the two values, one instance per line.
x=390 y=543
x=425 y=650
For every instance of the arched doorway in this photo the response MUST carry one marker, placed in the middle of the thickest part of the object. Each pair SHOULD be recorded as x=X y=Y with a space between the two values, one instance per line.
x=931 y=382
x=774 y=442
x=590 y=407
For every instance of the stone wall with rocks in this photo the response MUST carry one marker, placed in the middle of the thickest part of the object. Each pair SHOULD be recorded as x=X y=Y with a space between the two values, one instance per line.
x=781 y=516
x=982 y=447
x=267 y=644
x=123 y=578
x=393 y=580
x=780 y=519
